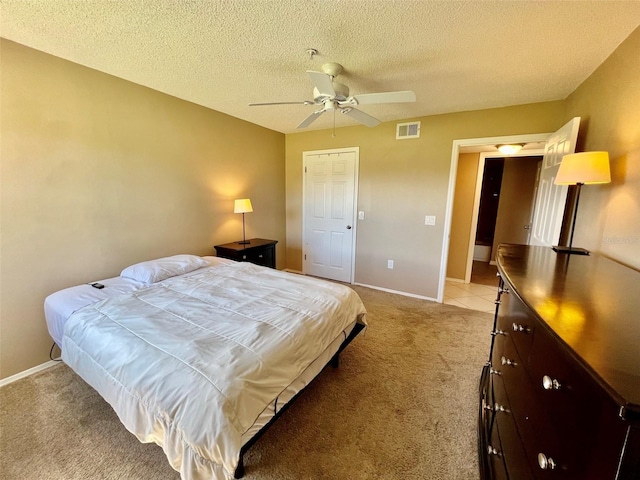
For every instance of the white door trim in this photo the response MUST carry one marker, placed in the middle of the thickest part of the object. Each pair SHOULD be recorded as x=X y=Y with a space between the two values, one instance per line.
x=355 y=150
x=455 y=152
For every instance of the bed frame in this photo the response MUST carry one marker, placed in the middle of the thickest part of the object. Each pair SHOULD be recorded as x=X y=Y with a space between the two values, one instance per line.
x=334 y=362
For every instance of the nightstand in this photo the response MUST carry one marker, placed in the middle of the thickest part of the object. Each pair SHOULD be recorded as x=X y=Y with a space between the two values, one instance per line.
x=259 y=251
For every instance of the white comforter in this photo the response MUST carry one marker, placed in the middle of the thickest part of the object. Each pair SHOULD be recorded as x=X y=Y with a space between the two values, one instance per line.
x=191 y=362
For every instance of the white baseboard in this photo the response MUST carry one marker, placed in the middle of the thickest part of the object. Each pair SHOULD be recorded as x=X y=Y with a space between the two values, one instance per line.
x=293 y=271
x=413 y=295
x=455 y=280
x=26 y=373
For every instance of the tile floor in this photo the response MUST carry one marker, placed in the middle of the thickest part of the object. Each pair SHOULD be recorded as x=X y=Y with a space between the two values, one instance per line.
x=470 y=295
x=480 y=294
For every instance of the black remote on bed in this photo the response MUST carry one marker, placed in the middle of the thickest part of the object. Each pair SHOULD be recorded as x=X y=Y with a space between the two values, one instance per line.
x=97 y=285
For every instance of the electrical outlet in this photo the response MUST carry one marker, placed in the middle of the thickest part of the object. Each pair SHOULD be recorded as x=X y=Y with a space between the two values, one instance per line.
x=430 y=220
x=390 y=264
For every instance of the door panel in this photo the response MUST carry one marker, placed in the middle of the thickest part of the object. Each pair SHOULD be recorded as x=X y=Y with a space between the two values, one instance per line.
x=551 y=198
x=329 y=201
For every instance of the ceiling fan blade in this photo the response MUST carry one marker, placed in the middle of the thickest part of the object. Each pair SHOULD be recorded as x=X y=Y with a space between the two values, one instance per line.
x=385 y=97
x=305 y=102
x=360 y=116
x=310 y=119
x=322 y=82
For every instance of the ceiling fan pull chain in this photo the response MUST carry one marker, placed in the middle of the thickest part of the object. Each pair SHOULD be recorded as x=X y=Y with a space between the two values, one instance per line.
x=334 y=123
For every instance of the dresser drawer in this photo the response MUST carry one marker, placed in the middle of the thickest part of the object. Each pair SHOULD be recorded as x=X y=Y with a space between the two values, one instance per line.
x=495 y=456
x=566 y=424
x=515 y=457
x=581 y=414
x=264 y=257
x=530 y=419
x=516 y=321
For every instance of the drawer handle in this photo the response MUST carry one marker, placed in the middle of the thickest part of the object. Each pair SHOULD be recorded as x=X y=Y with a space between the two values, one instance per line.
x=520 y=328
x=549 y=383
x=494 y=372
x=546 y=463
x=498 y=332
x=500 y=408
x=506 y=361
x=492 y=451
x=503 y=290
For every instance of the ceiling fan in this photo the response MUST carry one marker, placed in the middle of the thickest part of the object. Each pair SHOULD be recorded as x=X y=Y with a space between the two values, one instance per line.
x=333 y=96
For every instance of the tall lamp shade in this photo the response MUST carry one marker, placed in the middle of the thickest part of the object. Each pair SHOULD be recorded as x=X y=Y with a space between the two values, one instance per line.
x=585 y=168
x=243 y=205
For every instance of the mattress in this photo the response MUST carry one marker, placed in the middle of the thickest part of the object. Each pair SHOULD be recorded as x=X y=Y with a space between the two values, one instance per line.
x=59 y=306
x=200 y=362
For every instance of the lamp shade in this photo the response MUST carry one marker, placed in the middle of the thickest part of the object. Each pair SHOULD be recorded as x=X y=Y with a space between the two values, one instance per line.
x=584 y=167
x=242 y=205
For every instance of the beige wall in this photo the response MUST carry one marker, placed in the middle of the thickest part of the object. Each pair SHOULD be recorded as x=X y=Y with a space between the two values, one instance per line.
x=466 y=178
x=98 y=173
x=400 y=182
x=609 y=104
x=392 y=172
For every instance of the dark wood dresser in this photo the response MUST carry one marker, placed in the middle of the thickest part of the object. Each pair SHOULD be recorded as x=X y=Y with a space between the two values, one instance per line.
x=560 y=394
x=259 y=251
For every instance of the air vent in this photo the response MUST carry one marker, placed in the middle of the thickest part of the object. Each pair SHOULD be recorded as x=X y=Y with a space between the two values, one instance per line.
x=407 y=130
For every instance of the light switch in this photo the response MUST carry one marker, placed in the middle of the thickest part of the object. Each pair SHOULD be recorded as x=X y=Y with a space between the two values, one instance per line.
x=430 y=220
x=360 y=215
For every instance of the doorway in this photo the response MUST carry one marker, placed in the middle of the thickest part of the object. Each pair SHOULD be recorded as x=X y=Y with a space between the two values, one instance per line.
x=487 y=209
x=507 y=198
x=534 y=145
x=494 y=201
x=550 y=198
x=474 y=215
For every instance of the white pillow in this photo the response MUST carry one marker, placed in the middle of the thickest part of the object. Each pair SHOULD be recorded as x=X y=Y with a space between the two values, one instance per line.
x=157 y=270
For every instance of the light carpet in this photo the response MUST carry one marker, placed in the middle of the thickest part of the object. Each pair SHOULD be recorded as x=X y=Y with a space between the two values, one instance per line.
x=402 y=405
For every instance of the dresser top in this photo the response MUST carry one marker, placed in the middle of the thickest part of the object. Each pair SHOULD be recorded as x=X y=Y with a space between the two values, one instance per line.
x=591 y=303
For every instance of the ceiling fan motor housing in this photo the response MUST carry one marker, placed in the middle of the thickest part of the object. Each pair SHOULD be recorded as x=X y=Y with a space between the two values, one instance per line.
x=342 y=93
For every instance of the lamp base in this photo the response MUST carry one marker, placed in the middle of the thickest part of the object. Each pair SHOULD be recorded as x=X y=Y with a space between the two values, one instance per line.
x=244 y=242
x=570 y=250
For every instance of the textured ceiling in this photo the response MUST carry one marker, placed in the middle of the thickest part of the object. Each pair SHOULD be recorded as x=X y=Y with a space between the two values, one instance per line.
x=456 y=55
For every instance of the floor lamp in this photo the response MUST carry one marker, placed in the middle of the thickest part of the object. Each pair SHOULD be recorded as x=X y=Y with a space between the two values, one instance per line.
x=581 y=169
x=243 y=205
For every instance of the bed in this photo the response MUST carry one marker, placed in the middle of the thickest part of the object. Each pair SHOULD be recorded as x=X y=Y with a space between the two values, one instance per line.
x=201 y=354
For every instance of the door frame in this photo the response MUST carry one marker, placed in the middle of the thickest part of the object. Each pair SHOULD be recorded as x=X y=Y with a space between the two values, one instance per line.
x=537 y=152
x=356 y=173
x=453 y=169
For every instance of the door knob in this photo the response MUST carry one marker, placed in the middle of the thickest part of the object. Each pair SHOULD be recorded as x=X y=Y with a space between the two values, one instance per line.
x=348 y=227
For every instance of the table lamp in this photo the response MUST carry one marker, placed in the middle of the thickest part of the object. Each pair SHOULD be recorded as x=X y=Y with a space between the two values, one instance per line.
x=243 y=205
x=581 y=169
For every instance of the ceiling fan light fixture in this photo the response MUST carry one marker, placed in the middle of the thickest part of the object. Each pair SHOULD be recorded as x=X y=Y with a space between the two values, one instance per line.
x=510 y=149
